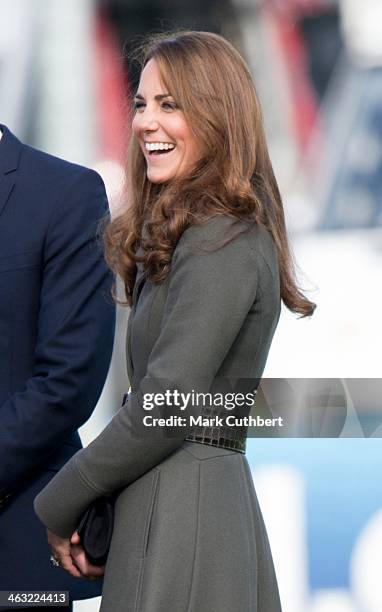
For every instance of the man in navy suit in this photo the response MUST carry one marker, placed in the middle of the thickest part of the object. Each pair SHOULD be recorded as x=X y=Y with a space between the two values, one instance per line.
x=56 y=337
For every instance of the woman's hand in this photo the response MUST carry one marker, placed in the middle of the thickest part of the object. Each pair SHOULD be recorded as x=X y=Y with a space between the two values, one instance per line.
x=61 y=551
x=79 y=557
x=71 y=556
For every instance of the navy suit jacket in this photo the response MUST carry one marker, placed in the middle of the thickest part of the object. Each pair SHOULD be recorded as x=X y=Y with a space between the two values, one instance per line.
x=56 y=337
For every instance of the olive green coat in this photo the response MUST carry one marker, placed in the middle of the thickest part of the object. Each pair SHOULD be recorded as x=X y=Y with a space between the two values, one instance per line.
x=189 y=535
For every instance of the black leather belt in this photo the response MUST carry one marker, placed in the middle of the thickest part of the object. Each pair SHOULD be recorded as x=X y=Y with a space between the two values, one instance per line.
x=231 y=438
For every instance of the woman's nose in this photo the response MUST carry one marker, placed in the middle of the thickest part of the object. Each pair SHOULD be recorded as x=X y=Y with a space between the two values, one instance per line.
x=148 y=120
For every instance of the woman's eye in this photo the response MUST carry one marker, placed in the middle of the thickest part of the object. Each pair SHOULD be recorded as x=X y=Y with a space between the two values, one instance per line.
x=138 y=105
x=169 y=105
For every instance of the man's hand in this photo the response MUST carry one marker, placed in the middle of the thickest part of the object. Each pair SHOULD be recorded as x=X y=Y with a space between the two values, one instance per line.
x=79 y=557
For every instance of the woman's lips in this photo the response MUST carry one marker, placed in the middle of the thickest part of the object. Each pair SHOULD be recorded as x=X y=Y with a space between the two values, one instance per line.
x=157 y=155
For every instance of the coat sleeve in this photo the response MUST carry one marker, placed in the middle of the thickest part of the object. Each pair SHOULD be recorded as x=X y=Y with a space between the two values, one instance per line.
x=209 y=296
x=75 y=333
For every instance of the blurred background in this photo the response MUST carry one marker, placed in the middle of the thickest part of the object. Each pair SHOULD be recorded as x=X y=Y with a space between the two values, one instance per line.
x=317 y=64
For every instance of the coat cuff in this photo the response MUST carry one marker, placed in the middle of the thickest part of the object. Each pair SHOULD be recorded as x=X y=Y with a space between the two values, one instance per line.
x=60 y=505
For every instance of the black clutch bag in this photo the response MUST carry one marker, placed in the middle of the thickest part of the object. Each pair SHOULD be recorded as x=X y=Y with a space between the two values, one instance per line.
x=96 y=529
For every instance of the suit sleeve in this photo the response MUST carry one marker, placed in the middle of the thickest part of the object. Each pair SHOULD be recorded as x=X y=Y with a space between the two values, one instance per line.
x=208 y=299
x=74 y=336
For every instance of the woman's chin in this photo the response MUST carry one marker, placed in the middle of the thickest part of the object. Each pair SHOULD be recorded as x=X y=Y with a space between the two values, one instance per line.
x=158 y=177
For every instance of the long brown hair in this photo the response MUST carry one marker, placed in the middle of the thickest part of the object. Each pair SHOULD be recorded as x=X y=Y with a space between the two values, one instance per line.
x=212 y=85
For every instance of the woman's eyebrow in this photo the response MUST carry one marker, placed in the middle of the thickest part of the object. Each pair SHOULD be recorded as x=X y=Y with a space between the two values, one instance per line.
x=138 y=96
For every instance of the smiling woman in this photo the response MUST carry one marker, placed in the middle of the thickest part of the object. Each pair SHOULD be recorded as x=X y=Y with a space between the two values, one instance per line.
x=203 y=252
x=167 y=142
x=198 y=150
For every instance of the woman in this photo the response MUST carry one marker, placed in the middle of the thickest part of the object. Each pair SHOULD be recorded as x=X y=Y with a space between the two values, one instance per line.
x=204 y=256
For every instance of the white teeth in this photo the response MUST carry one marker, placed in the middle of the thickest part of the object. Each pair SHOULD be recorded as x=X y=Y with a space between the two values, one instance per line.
x=159 y=146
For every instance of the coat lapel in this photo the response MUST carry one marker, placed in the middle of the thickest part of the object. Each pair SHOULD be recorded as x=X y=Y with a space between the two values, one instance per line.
x=10 y=151
x=129 y=362
x=139 y=282
x=6 y=185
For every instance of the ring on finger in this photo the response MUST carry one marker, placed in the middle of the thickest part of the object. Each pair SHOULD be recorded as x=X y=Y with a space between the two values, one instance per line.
x=54 y=561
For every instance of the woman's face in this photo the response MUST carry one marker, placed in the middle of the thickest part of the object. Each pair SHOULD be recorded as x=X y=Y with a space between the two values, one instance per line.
x=166 y=140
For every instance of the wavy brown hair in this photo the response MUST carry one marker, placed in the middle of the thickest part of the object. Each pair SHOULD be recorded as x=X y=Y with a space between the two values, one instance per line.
x=213 y=87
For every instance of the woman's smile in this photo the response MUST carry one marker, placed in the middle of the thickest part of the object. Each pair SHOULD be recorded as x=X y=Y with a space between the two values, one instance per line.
x=156 y=147
x=158 y=151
